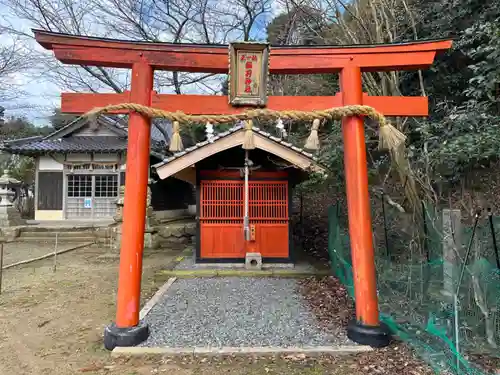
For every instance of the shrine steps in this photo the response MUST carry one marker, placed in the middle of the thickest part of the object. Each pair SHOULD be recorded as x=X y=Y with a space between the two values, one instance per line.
x=64 y=234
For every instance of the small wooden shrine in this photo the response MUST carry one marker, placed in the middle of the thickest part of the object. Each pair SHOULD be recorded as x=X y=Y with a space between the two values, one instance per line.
x=243 y=196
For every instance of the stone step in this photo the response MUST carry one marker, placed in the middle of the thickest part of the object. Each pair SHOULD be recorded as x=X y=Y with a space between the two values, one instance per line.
x=60 y=229
x=174 y=229
x=59 y=234
x=80 y=239
x=177 y=220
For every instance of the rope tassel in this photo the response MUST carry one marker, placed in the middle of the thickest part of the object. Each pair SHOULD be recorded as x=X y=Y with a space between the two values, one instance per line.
x=390 y=138
x=176 y=141
x=312 y=142
x=248 y=142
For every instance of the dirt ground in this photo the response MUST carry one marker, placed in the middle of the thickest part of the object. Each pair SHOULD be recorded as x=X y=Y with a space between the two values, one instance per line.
x=17 y=251
x=52 y=323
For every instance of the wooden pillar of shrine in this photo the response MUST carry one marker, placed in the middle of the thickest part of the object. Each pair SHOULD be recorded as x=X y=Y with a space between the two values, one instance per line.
x=128 y=330
x=366 y=329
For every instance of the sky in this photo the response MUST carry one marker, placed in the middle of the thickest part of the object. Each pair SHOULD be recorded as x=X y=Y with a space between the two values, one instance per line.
x=39 y=95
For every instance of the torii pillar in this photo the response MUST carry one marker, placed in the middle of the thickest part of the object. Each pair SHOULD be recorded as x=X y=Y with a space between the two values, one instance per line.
x=366 y=328
x=128 y=330
x=142 y=58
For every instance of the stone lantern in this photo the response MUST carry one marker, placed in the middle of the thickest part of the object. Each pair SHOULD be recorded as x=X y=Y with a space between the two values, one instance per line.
x=7 y=185
x=9 y=215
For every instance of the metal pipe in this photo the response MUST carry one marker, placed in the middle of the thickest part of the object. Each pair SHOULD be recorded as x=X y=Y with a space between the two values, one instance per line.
x=466 y=259
x=457 y=329
x=246 y=220
x=494 y=237
x=386 y=235
x=54 y=267
x=426 y=233
x=1 y=265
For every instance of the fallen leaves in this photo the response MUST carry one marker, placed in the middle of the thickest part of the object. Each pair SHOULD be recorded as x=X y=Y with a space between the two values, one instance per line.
x=92 y=368
x=393 y=360
x=332 y=306
x=44 y=323
x=329 y=300
x=486 y=362
x=296 y=357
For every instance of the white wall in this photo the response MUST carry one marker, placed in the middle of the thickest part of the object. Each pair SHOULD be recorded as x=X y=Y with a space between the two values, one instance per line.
x=123 y=161
x=106 y=157
x=78 y=157
x=88 y=131
x=49 y=215
x=47 y=163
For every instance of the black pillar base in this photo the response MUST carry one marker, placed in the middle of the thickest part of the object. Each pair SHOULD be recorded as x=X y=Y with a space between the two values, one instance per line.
x=130 y=336
x=376 y=337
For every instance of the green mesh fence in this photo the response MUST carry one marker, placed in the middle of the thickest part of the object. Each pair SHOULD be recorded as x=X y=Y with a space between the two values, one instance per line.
x=447 y=311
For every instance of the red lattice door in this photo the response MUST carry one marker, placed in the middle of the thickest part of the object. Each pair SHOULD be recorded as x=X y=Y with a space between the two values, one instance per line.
x=221 y=218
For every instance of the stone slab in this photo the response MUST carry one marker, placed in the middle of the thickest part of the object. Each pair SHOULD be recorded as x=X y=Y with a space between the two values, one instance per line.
x=243 y=273
x=308 y=351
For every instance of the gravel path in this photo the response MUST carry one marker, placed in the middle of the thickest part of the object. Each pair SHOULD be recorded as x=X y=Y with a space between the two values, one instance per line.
x=236 y=312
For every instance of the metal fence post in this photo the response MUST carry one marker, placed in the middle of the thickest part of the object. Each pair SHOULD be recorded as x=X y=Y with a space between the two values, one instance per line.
x=494 y=238
x=452 y=249
x=1 y=265
x=386 y=236
x=426 y=233
x=55 y=255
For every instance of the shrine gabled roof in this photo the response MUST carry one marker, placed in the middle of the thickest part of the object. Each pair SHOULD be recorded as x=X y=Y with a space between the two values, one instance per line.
x=115 y=125
x=304 y=160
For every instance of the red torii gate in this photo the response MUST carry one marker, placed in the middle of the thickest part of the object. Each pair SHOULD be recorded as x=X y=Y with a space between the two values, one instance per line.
x=143 y=58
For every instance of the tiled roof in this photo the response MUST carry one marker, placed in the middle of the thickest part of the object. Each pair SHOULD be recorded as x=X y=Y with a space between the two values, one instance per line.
x=229 y=132
x=71 y=144
x=68 y=143
x=20 y=141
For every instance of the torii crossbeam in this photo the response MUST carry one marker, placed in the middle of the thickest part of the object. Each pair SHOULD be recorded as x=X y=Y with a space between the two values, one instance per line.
x=143 y=58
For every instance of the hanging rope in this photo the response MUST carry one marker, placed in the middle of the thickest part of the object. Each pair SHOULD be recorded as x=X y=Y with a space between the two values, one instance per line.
x=176 y=141
x=389 y=137
x=248 y=143
x=312 y=142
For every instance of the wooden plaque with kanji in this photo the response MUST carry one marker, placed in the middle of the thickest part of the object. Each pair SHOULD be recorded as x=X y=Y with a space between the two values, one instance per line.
x=248 y=74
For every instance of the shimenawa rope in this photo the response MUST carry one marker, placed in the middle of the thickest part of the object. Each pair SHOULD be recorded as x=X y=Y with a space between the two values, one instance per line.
x=389 y=137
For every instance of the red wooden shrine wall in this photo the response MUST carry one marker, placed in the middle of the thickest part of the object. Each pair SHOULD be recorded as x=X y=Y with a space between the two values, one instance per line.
x=222 y=211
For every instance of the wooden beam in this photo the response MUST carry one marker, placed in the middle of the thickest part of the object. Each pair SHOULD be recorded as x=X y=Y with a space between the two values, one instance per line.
x=214 y=59
x=218 y=63
x=159 y=60
x=210 y=104
x=81 y=103
x=186 y=175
